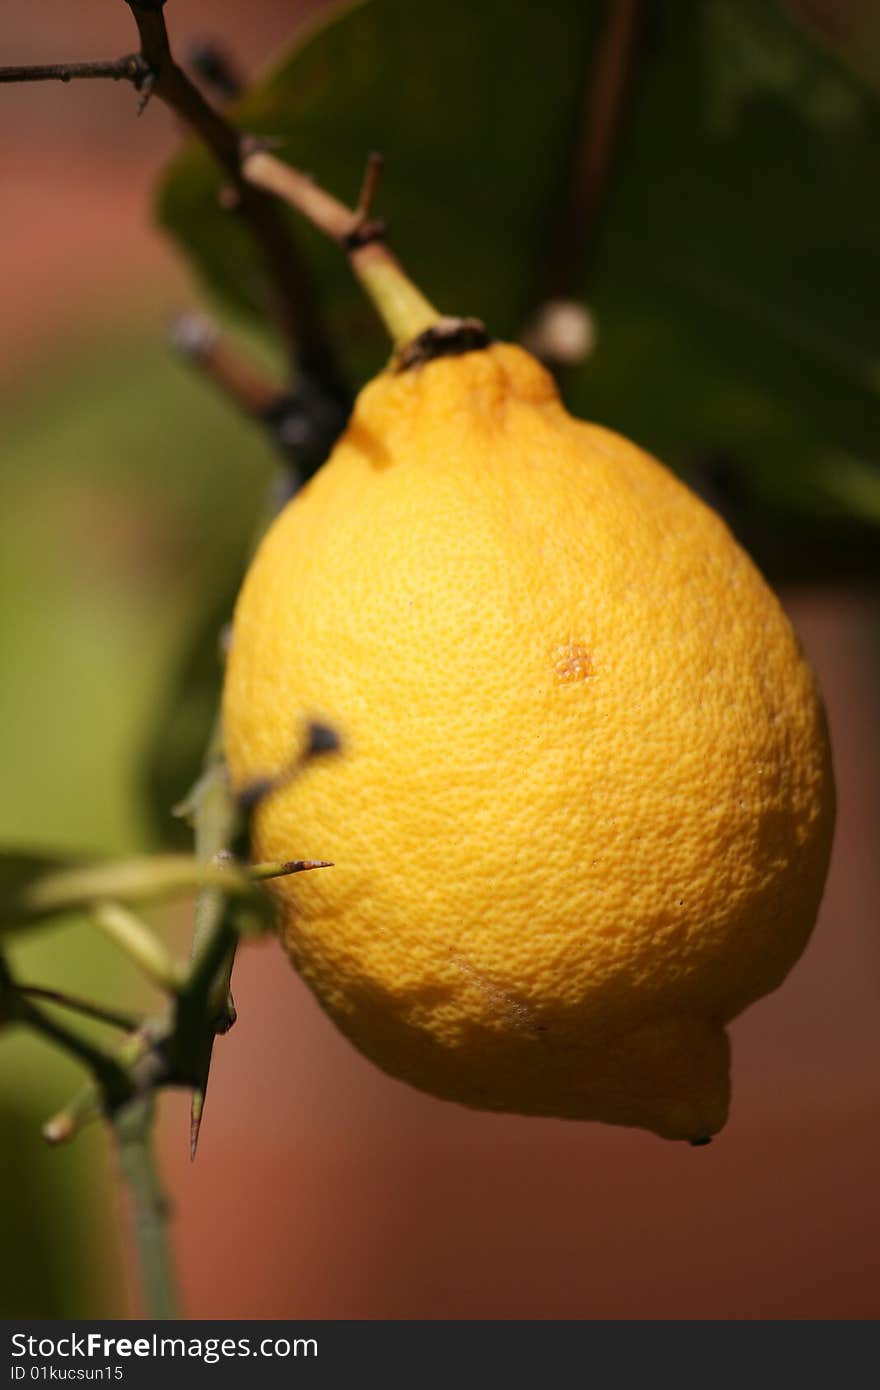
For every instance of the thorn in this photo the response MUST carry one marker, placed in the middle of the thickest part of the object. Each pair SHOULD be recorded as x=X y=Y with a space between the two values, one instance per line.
x=227 y=1019
x=146 y=86
x=363 y=228
x=280 y=868
x=195 y=1122
x=369 y=186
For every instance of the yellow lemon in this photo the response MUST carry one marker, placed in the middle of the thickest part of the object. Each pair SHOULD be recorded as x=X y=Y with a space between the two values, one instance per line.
x=583 y=809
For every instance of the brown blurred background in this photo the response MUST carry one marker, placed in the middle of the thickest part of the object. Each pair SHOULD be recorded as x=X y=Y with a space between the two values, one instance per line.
x=322 y=1188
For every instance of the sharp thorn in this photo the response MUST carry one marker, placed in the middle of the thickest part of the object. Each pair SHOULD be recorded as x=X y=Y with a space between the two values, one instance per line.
x=280 y=868
x=195 y=1122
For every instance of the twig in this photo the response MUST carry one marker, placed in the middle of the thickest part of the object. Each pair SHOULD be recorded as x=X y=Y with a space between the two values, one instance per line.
x=133 y=1125
x=369 y=187
x=591 y=164
x=328 y=214
x=199 y=341
x=404 y=308
x=296 y=306
x=131 y=68
x=112 y=1077
x=127 y=931
x=115 y=1017
x=301 y=423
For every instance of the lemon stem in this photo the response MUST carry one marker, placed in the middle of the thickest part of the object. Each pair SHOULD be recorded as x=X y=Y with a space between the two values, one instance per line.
x=132 y=935
x=403 y=309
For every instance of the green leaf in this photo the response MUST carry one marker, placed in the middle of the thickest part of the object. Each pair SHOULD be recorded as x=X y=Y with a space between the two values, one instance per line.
x=734 y=290
x=849 y=28
x=19 y=870
x=475 y=116
x=731 y=275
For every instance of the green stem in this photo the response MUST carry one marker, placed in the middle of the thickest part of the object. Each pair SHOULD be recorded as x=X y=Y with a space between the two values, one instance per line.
x=216 y=819
x=217 y=827
x=402 y=307
x=132 y=935
x=114 y=1017
x=215 y=954
x=148 y=878
x=133 y=1124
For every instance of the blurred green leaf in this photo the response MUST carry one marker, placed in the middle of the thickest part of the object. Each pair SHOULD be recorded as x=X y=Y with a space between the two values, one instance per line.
x=36 y=887
x=19 y=867
x=56 y=1260
x=475 y=115
x=733 y=275
x=850 y=28
x=734 y=288
x=18 y=870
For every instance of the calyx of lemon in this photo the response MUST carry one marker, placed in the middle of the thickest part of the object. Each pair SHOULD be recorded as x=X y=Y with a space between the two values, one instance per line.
x=583 y=812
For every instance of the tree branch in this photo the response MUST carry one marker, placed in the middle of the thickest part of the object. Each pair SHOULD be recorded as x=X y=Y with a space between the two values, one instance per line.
x=403 y=307
x=197 y=339
x=295 y=302
x=107 y=1071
